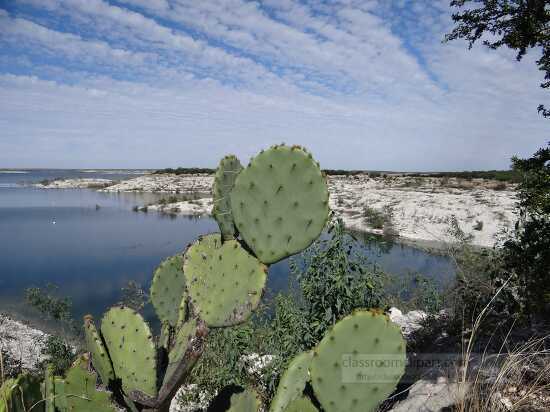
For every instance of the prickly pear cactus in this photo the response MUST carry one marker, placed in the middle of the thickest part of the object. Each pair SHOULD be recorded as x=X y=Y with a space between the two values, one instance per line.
x=20 y=394
x=280 y=202
x=224 y=179
x=100 y=356
x=60 y=395
x=49 y=389
x=225 y=283
x=81 y=394
x=358 y=363
x=301 y=404
x=247 y=401
x=182 y=340
x=132 y=349
x=168 y=288
x=292 y=382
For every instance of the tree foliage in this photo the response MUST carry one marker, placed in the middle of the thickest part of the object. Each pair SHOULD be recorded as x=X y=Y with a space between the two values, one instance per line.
x=518 y=24
x=527 y=254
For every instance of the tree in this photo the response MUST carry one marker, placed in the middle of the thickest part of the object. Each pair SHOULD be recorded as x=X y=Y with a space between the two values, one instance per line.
x=518 y=24
x=527 y=254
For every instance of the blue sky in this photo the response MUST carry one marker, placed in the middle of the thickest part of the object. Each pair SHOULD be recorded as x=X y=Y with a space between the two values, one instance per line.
x=157 y=83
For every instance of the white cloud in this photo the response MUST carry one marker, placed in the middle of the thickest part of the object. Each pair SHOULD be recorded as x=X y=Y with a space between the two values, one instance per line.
x=364 y=84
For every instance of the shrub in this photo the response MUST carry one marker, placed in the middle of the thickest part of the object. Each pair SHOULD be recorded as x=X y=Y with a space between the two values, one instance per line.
x=527 y=254
x=373 y=217
x=334 y=280
x=57 y=352
x=48 y=304
x=479 y=225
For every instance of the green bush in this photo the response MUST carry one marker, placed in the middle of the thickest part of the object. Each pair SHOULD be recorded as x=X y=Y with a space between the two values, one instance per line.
x=334 y=280
x=373 y=217
x=527 y=253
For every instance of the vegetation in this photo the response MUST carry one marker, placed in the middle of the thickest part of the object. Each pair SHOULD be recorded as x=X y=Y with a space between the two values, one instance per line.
x=527 y=252
x=517 y=24
x=185 y=171
x=332 y=284
x=512 y=176
x=59 y=351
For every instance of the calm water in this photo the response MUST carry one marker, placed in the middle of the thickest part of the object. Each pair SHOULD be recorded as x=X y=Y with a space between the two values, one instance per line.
x=92 y=244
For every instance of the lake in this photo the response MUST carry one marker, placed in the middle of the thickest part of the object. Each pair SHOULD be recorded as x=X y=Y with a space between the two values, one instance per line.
x=91 y=244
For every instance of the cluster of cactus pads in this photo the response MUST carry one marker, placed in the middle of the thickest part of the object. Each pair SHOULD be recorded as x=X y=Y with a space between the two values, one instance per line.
x=275 y=207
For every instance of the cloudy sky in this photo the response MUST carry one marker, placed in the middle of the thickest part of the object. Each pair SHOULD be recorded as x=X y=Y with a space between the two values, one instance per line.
x=157 y=83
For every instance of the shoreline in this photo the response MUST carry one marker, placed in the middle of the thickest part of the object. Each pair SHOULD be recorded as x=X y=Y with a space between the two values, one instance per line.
x=418 y=210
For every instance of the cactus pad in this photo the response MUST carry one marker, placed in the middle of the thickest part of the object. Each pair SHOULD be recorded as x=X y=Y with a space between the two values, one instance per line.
x=280 y=202
x=100 y=356
x=358 y=363
x=20 y=394
x=182 y=340
x=225 y=283
x=49 y=389
x=80 y=390
x=60 y=398
x=247 y=401
x=168 y=288
x=301 y=404
x=224 y=179
x=133 y=352
x=292 y=383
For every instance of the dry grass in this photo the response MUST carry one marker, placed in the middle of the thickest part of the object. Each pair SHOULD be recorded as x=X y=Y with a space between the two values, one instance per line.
x=514 y=379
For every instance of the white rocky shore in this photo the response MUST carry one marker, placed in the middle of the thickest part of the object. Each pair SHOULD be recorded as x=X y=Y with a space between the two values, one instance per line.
x=84 y=183
x=21 y=342
x=418 y=210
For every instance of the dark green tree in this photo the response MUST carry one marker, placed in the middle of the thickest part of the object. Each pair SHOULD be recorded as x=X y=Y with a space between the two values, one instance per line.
x=527 y=254
x=518 y=24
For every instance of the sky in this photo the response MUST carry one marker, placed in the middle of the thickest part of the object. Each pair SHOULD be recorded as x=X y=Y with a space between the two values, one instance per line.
x=165 y=83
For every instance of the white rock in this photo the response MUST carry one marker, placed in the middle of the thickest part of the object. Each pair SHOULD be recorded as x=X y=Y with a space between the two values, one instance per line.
x=410 y=322
x=21 y=341
x=429 y=396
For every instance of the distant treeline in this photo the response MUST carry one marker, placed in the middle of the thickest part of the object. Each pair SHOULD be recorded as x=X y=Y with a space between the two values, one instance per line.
x=191 y=170
x=185 y=171
x=500 y=175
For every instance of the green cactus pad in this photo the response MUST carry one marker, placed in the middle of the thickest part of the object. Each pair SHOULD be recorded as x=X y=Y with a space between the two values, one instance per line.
x=280 y=202
x=133 y=352
x=60 y=398
x=341 y=372
x=224 y=179
x=225 y=283
x=292 y=383
x=100 y=356
x=247 y=401
x=80 y=390
x=301 y=404
x=20 y=394
x=182 y=340
x=168 y=288
x=49 y=389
